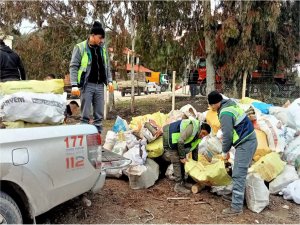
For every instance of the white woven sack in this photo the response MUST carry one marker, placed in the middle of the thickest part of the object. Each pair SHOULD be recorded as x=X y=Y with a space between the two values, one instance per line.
x=33 y=107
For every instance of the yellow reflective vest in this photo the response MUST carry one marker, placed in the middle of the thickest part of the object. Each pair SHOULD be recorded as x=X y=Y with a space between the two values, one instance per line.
x=86 y=58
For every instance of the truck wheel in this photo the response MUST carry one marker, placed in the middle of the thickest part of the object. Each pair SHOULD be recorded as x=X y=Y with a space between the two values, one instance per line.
x=123 y=94
x=163 y=88
x=9 y=211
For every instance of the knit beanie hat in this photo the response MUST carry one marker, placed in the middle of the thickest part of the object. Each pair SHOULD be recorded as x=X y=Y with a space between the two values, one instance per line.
x=98 y=29
x=214 y=97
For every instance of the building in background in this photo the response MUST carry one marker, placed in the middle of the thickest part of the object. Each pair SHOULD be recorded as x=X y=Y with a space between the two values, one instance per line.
x=8 y=39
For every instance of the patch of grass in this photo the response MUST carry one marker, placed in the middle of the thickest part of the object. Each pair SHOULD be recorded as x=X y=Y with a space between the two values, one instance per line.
x=148 y=106
x=151 y=105
x=108 y=124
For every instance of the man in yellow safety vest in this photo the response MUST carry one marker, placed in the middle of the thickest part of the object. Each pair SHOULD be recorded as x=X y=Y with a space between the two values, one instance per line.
x=90 y=71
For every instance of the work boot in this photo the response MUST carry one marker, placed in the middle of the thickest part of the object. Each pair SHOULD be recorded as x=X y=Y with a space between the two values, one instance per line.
x=227 y=198
x=231 y=211
x=180 y=188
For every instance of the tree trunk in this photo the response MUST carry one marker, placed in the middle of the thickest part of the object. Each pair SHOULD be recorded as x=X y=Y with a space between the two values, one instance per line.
x=235 y=89
x=210 y=72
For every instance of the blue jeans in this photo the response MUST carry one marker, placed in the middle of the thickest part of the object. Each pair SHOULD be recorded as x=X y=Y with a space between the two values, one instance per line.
x=242 y=160
x=193 y=89
x=92 y=97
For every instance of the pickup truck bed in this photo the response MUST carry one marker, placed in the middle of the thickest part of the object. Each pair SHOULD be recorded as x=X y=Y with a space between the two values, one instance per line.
x=125 y=87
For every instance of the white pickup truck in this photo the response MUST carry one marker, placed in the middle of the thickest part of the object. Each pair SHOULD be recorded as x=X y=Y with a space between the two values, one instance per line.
x=43 y=167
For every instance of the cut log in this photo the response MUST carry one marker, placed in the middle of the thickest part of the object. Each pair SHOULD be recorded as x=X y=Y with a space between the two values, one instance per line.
x=197 y=188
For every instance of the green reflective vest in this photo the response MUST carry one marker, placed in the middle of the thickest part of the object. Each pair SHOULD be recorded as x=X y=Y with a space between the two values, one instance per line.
x=192 y=141
x=86 y=58
x=238 y=116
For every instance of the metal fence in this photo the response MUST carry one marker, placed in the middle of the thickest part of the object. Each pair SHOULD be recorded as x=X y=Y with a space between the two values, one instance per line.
x=270 y=92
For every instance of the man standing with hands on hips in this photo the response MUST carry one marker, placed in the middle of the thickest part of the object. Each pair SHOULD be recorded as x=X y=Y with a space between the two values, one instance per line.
x=90 y=71
x=237 y=131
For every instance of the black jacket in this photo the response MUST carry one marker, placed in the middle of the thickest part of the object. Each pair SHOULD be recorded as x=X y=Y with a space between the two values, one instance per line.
x=193 y=77
x=11 y=65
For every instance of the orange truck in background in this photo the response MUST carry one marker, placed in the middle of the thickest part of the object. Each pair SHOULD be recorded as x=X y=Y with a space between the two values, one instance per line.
x=159 y=78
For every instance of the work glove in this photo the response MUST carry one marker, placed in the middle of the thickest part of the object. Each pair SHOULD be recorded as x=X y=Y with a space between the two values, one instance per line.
x=110 y=87
x=75 y=91
x=225 y=156
x=184 y=160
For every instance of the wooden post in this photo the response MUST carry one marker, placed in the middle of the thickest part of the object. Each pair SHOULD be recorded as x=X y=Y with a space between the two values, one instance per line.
x=173 y=90
x=105 y=102
x=244 y=84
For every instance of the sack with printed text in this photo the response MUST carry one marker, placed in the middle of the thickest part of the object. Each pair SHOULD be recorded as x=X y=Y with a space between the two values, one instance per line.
x=151 y=131
x=33 y=107
x=120 y=125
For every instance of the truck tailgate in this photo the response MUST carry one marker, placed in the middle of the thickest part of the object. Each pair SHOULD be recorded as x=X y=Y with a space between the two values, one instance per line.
x=111 y=160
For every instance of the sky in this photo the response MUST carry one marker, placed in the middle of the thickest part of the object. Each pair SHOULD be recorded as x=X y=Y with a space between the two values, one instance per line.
x=26 y=27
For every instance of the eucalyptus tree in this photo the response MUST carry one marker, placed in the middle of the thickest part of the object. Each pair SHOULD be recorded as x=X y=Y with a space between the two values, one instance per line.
x=209 y=39
x=253 y=31
x=58 y=26
x=166 y=37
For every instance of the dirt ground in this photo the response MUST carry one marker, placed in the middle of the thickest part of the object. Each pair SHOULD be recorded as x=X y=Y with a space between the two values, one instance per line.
x=117 y=203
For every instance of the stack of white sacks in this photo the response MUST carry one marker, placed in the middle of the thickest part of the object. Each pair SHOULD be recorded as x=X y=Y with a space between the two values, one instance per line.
x=139 y=142
x=277 y=159
x=282 y=127
x=275 y=163
x=32 y=103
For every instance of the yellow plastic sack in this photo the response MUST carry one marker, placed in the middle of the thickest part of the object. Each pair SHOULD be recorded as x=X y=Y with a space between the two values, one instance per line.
x=28 y=125
x=22 y=124
x=155 y=148
x=213 y=174
x=203 y=160
x=247 y=100
x=137 y=122
x=16 y=124
x=268 y=166
x=262 y=147
x=55 y=86
x=213 y=120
